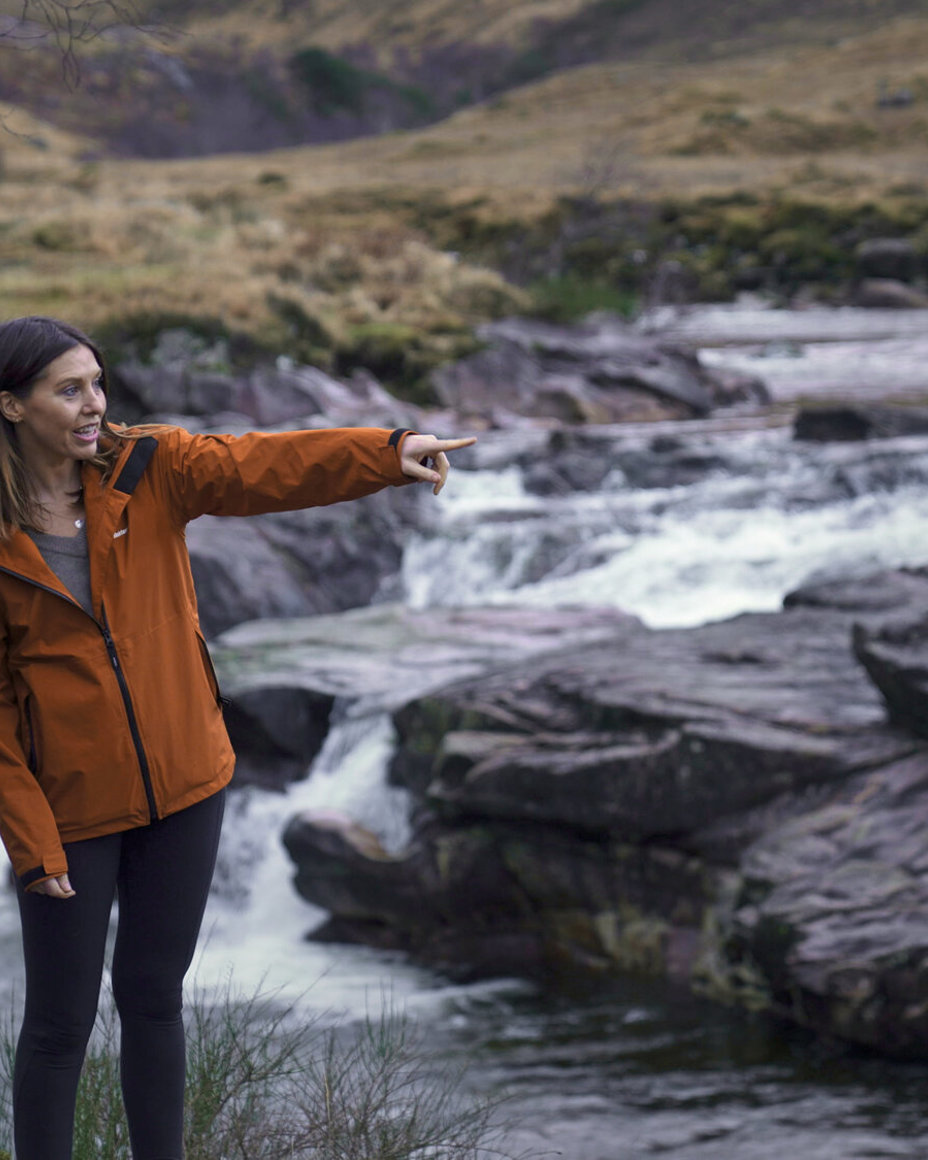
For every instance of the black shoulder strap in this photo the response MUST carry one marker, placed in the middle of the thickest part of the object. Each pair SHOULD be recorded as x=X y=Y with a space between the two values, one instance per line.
x=142 y=451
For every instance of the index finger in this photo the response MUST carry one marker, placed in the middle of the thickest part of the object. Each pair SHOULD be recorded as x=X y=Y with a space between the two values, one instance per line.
x=454 y=444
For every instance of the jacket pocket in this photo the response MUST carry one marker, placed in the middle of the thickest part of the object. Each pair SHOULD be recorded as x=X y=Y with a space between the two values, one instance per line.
x=29 y=742
x=210 y=669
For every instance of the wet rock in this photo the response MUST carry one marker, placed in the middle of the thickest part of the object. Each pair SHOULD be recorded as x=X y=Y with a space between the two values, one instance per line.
x=655 y=801
x=894 y=258
x=597 y=373
x=452 y=901
x=276 y=731
x=730 y=387
x=376 y=653
x=848 y=423
x=830 y=918
x=895 y=654
x=296 y=563
x=887 y=294
x=889 y=592
x=569 y=463
x=352 y=873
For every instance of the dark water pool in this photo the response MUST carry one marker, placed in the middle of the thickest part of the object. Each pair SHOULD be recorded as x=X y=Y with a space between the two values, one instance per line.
x=644 y=1072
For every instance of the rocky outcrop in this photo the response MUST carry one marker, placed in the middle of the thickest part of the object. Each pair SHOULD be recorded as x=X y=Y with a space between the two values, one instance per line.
x=852 y=422
x=827 y=922
x=887 y=294
x=895 y=654
x=894 y=258
x=726 y=805
x=298 y=563
x=185 y=375
x=595 y=373
x=528 y=373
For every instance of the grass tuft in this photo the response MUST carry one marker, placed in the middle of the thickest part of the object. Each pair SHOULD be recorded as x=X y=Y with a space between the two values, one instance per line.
x=265 y=1083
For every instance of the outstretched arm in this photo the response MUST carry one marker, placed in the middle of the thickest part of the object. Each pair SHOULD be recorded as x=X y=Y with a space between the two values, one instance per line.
x=226 y=475
x=425 y=457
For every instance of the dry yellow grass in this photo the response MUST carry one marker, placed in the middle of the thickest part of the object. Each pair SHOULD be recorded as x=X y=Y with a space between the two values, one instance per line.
x=225 y=235
x=402 y=23
x=753 y=122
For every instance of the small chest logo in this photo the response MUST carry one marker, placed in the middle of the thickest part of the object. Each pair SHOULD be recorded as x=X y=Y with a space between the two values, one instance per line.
x=121 y=532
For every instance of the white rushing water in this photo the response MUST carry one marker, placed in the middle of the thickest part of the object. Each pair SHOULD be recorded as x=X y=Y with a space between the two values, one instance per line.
x=255 y=923
x=774 y=517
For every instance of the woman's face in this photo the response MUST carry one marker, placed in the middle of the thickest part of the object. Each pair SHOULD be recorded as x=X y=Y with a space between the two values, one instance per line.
x=60 y=418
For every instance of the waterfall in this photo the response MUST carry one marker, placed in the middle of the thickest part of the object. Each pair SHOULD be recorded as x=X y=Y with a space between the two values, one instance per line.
x=255 y=922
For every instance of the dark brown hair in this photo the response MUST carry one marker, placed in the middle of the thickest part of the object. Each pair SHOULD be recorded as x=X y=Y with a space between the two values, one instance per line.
x=27 y=346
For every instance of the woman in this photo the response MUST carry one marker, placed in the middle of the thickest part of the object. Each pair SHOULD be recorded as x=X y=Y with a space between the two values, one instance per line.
x=113 y=754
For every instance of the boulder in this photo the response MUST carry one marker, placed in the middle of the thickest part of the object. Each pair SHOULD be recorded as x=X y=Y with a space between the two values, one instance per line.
x=276 y=731
x=602 y=372
x=239 y=576
x=828 y=924
x=299 y=563
x=887 y=294
x=850 y=422
x=887 y=258
x=895 y=654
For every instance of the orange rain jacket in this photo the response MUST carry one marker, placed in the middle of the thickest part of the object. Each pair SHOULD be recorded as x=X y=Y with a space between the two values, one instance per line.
x=111 y=720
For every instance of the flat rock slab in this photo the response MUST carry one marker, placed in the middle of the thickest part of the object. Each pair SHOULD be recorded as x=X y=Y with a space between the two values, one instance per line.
x=387 y=655
x=652 y=735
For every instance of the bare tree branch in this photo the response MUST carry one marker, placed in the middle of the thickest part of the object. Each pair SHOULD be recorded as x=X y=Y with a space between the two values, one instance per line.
x=68 y=24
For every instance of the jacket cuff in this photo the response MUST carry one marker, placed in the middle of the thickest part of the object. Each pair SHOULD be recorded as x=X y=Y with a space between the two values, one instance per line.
x=52 y=867
x=396 y=442
x=37 y=874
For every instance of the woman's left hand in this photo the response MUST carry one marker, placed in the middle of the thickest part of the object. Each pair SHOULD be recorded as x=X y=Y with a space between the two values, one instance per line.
x=423 y=457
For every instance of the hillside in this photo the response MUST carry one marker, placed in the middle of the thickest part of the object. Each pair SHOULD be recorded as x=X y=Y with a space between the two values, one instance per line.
x=569 y=192
x=617 y=29
x=259 y=74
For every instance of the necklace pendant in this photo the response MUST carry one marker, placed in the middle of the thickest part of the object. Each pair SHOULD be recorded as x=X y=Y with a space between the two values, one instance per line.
x=79 y=523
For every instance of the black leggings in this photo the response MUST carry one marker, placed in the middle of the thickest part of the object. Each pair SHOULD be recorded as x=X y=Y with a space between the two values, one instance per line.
x=161 y=875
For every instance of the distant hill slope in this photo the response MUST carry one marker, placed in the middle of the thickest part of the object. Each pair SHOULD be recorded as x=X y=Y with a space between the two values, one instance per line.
x=585 y=188
x=259 y=74
x=593 y=28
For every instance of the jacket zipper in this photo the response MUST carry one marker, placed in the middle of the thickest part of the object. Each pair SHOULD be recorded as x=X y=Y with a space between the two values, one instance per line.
x=104 y=628
x=130 y=714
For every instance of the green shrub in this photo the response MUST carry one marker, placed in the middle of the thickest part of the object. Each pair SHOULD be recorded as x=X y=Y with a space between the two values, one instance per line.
x=568 y=298
x=333 y=83
x=266 y=1084
x=400 y=356
x=336 y=85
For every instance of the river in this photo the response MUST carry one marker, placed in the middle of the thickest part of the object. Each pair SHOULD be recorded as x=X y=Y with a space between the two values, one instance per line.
x=642 y=1070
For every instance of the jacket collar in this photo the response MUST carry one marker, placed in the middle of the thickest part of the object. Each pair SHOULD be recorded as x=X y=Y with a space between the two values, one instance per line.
x=104 y=503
